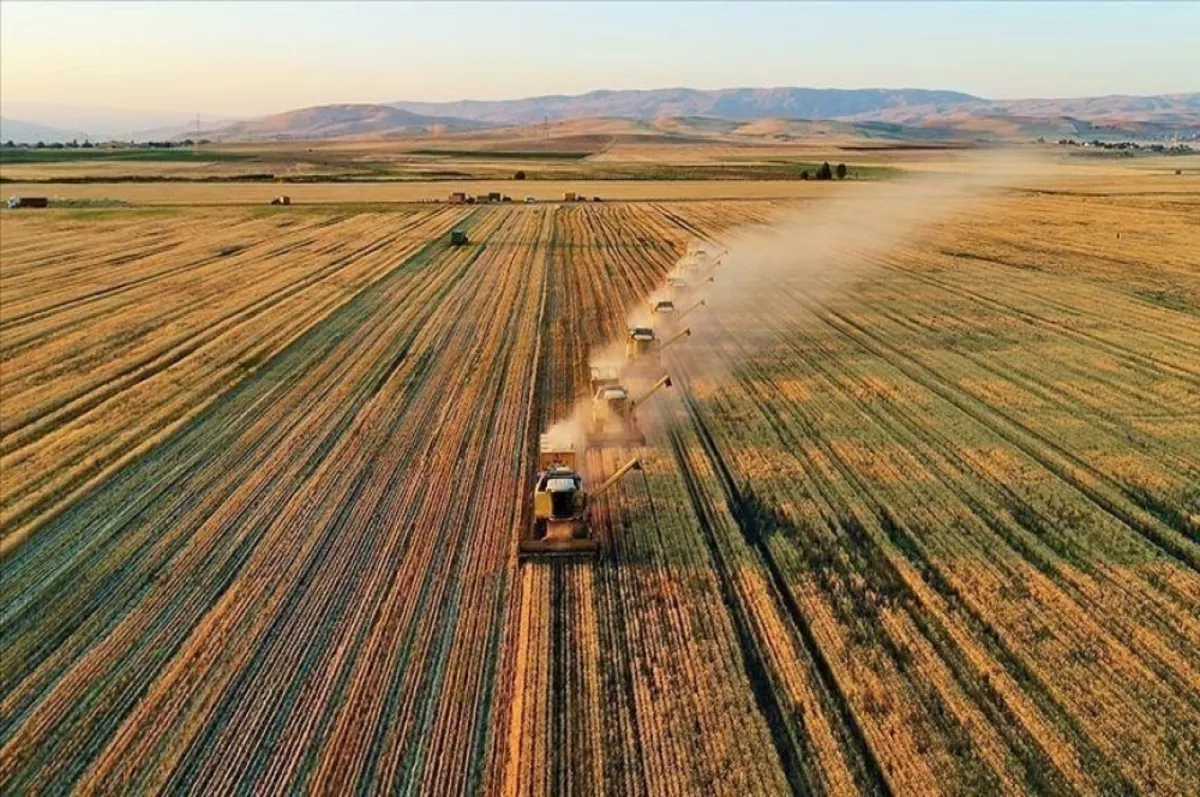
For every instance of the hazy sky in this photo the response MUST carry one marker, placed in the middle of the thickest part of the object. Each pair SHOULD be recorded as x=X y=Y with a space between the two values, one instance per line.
x=252 y=58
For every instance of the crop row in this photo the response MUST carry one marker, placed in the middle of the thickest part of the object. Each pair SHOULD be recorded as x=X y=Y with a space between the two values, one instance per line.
x=305 y=586
x=111 y=343
x=935 y=561
x=1038 y=621
x=266 y=524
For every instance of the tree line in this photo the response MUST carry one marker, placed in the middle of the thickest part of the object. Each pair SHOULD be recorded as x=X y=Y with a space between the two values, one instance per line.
x=826 y=172
x=85 y=144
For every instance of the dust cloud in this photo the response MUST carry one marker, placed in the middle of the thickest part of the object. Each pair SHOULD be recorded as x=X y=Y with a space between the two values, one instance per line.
x=829 y=245
x=818 y=250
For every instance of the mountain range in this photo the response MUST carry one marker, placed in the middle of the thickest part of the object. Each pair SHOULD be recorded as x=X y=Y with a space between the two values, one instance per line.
x=736 y=104
x=945 y=113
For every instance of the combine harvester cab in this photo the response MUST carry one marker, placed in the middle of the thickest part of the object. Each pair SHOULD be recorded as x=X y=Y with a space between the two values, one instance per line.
x=561 y=525
x=677 y=286
x=602 y=376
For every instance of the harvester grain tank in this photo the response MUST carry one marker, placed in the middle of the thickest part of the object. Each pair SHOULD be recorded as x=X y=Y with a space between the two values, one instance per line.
x=663 y=310
x=614 y=414
x=561 y=525
x=604 y=375
x=459 y=238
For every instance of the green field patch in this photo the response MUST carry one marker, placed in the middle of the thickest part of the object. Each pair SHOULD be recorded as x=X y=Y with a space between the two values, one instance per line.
x=140 y=154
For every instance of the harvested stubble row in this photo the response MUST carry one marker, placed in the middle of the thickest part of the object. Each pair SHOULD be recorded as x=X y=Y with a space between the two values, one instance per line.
x=1038 y=585
x=877 y=546
x=297 y=588
x=107 y=351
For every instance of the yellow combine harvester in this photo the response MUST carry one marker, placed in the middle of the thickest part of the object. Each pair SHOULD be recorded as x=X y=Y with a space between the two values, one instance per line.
x=643 y=348
x=680 y=287
x=561 y=522
x=699 y=263
x=663 y=310
x=614 y=413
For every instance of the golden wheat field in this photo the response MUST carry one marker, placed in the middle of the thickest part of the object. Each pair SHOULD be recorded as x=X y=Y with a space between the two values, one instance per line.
x=919 y=514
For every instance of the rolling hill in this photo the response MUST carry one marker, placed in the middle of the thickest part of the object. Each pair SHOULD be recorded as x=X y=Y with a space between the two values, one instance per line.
x=736 y=104
x=30 y=132
x=336 y=121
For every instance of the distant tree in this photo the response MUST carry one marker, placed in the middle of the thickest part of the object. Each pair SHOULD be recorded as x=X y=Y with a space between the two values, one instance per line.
x=56 y=145
x=825 y=172
x=40 y=145
x=520 y=175
x=804 y=174
x=9 y=144
x=841 y=171
x=86 y=144
x=73 y=143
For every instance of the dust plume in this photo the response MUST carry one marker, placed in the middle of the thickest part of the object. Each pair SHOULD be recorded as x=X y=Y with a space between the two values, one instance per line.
x=569 y=434
x=827 y=246
x=816 y=251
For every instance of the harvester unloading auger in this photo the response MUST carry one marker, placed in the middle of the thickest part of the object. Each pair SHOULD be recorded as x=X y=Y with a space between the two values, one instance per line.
x=695 y=306
x=561 y=525
x=613 y=420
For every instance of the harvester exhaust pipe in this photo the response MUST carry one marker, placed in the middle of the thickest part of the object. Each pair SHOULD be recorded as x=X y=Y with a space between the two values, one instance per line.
x=698 y=304
x=678 y=337
x=633 y=464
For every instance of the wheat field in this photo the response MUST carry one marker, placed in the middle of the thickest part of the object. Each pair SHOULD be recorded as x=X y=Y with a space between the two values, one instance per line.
x=915 y=518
